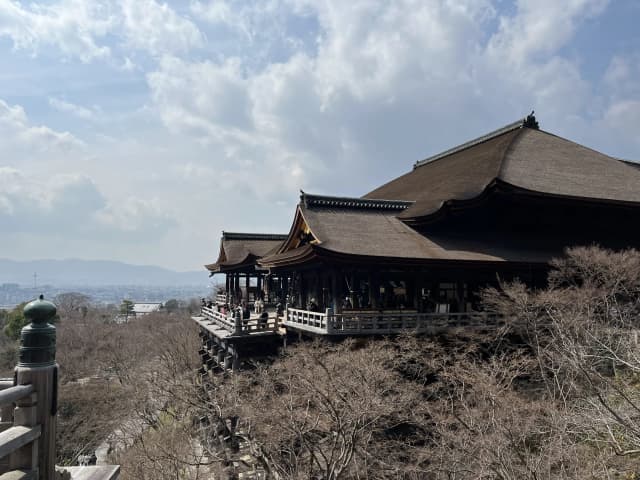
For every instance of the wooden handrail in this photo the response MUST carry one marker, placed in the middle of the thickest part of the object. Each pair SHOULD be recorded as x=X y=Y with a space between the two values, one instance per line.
x=219 y=318
x=229 y=323
x=13 y=394
x=17 y=437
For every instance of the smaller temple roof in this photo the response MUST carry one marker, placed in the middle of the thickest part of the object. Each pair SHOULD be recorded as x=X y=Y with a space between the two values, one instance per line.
x=241 y=250
x=342 y=227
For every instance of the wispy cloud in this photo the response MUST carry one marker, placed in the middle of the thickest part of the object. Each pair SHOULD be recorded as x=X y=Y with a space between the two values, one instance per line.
x=68 y=107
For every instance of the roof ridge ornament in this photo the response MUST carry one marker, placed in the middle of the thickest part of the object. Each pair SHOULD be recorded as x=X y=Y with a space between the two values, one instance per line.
x=530 y=121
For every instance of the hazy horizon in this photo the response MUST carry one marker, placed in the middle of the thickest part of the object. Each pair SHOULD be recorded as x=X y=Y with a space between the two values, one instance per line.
x=77 y=272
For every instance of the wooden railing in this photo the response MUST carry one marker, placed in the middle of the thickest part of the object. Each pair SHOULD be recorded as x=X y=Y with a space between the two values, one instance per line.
x=381 y=323
x=221 y=298
x=236 y=325
x=19 y=431
x=317 y=322
x=219 y=319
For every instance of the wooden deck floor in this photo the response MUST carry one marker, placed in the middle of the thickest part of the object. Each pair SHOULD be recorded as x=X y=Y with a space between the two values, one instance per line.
x=223 y=333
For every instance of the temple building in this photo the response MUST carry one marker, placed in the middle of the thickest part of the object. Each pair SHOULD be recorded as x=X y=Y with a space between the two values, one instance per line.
x=237 y=259
x=413 y=253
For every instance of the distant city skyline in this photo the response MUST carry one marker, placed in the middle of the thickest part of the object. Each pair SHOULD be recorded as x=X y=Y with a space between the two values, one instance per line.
x=137 y=130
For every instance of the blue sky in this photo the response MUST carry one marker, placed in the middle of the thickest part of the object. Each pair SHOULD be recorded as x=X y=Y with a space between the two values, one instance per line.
x=137 y=130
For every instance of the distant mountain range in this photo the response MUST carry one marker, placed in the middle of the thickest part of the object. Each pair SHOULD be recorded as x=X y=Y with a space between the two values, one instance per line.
x=93 y=273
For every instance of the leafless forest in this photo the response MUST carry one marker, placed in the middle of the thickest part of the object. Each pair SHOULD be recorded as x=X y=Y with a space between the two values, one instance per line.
x=552 y=395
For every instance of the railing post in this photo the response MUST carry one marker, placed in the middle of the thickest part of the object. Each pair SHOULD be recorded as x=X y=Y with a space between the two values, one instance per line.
x=329 y=320
x=37 y=366
x=238 y=322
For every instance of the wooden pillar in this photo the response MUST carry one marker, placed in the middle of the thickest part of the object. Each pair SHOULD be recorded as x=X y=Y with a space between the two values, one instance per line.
x=285 y=287
x=335 y=303
x=353 y=296
x=259 y=283
x=410 y=289
x=317 y=288
x=461 y=299
x=374 y=282
x=298 y=289
x=235 y=364
x=234 y=287
x=247 y=283
x=388 y=293
x=226 y=285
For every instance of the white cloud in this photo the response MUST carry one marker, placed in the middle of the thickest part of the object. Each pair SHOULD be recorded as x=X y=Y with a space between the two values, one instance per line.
x=621 y=76
x=68 y=107
x=72 y=26
x=541 y=27
x=81 y=30
x=72 y=203
x=136 y=215
x=19 y=138
x=158 y=29
x=40 y=204
x=221 y=12
x=203 y=98
x=336 y=118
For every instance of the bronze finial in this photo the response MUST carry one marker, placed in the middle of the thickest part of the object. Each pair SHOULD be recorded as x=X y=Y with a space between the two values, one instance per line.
x=38 y=339
x=531 y=122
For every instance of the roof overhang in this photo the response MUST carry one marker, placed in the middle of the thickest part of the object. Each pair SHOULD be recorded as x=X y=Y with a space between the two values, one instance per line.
x=498 y=186
x=314 y=254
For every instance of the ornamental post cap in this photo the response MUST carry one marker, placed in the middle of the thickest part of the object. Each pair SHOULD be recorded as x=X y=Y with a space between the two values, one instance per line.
x=38 y=339
x=40 y=311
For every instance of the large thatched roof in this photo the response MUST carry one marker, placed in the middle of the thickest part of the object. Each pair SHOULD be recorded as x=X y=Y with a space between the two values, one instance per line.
x=516 y=156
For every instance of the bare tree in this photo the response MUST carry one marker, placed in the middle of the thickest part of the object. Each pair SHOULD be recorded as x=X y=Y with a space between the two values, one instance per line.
x=583 y=331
